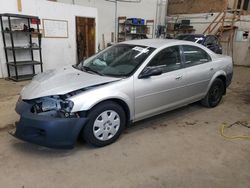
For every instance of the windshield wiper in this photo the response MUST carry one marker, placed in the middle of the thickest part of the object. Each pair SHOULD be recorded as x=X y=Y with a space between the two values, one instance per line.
x=88 y=69
x=75 y=66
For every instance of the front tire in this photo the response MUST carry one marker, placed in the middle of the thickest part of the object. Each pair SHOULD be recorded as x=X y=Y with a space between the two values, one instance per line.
x=106 y=123
x=214 y=95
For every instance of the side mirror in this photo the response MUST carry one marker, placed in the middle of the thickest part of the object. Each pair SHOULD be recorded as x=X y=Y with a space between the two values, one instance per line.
x=148 y=72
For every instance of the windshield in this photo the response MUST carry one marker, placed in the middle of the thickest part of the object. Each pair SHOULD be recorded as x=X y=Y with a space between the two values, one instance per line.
x=192 y=38
x=118 y=61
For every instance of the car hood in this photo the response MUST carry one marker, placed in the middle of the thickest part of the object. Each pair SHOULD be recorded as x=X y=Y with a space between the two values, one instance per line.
x=61 y=81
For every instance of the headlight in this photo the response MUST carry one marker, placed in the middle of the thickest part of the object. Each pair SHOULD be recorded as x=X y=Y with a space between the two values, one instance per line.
x=67 y=105
x=53 y=103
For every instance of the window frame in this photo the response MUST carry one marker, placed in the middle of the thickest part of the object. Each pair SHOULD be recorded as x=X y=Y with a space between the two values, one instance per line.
x=192 y=65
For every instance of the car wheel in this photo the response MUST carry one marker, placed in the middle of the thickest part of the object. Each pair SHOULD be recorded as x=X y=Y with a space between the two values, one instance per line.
x=214 y=94
x=106 y=123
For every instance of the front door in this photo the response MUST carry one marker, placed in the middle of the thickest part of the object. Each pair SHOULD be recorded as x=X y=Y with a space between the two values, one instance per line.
x=159 y=93
x=85 y=37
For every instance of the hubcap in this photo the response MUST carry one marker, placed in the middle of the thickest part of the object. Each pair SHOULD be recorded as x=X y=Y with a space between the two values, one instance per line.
x=106 y=125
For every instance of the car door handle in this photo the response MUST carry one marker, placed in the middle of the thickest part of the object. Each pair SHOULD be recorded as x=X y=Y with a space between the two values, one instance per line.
x=178 y=78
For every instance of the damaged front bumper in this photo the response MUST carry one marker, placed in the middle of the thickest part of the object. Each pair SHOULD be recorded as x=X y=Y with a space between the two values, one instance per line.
x=53 y=132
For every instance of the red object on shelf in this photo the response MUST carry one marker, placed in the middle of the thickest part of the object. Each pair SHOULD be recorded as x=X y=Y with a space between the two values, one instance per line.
x=35 y=21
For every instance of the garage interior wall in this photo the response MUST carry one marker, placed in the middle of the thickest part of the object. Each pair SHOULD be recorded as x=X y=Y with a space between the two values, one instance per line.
x=56 y=52
x=106 y=13
x=201 y=21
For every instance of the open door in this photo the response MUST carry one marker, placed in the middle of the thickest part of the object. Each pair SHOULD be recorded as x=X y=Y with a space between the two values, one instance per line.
x=85 y=37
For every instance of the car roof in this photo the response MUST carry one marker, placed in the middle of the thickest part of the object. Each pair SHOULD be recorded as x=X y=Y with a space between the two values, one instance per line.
x=158 y=43
x=198 y=35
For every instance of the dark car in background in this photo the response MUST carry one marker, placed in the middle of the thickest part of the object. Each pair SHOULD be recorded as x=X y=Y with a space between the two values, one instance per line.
x=210 y=41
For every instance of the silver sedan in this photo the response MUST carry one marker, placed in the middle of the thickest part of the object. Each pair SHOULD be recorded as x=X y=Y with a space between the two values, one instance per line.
x=122 y=84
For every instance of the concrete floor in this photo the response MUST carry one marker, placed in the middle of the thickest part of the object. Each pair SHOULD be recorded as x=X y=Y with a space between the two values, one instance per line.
x=182 y=148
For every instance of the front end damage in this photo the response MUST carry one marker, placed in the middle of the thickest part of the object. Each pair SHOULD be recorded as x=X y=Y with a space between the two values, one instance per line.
x=48 y=121
x=46 y=116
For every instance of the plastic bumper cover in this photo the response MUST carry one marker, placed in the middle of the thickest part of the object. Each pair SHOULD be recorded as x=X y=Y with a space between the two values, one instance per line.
x=47 y=131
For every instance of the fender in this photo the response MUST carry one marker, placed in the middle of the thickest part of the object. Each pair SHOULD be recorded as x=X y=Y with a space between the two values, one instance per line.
x=88 y=99
x=216 y=75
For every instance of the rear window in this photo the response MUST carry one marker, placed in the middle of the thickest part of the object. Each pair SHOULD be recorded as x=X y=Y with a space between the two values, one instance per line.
x=195 y=55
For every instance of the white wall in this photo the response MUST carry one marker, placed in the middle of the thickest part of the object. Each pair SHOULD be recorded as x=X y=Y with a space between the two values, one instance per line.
x=242 y=49
x=56 y=52
x=106 y=13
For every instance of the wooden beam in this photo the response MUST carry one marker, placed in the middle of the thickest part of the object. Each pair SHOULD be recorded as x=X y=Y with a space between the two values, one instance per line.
x=236 y=2
x=242 y=4
x=195 y=6
x=19 y=5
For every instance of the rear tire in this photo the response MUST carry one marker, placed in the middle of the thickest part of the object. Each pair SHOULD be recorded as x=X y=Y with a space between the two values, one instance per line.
x=106 y=122
x=214 y=95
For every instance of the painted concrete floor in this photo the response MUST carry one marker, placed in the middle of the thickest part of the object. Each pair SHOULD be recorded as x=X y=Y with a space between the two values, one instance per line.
x=182 y=148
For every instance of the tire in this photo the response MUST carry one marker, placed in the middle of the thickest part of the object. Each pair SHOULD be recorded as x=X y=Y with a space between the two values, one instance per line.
x=214 y=95
x=106 y=122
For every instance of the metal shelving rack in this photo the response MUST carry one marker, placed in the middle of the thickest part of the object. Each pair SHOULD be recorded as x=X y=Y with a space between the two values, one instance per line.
x=15 y=63
x=124 y=29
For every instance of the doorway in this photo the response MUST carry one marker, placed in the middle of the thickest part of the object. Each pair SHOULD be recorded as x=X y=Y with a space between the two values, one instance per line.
x=244 y=4
x=85 y=37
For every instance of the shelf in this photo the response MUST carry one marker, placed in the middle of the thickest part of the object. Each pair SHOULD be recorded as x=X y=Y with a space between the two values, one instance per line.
x=22 y=77
x=122 y=33
x=136 y=33
x=173 y=30
x=128 y=24
x=125 y=27
x=19 y=16
x=11 y=34
x=23 y=63
x=22 y=48
x=20 y=31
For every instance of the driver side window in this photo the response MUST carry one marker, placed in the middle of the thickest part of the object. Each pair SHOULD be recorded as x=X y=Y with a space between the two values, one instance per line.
x=168 y=59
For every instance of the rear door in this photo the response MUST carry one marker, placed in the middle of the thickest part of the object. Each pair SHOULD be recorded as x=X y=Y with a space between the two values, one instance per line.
x=199 y=70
